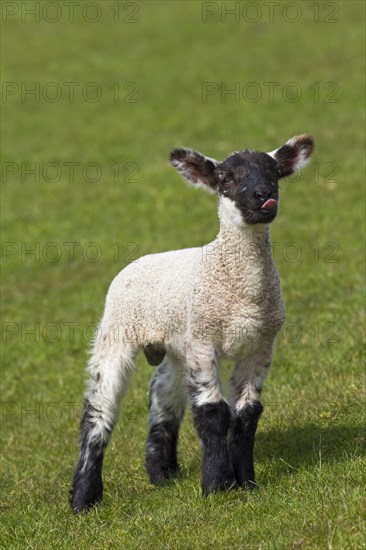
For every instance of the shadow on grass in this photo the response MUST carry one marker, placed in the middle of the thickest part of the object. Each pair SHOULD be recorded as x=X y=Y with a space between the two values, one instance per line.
x=307 y=446
x=286 y=450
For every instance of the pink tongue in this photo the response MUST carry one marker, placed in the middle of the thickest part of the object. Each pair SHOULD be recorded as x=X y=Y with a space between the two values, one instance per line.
x=270 y=203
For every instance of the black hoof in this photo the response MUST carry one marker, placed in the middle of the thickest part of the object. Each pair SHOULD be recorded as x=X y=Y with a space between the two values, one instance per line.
x=83 y=501
x=160 y=473
x=219 y=484
x=86 y=492
x=161 y=453
x=248 y=485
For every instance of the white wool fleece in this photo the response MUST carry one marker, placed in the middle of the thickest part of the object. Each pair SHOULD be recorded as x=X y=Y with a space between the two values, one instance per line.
x=226 y=294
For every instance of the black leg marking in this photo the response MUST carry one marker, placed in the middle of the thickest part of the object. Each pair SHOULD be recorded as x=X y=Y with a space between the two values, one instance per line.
x=166 y=410
x=87 y=485
x=212 y=423
x=243 y=428
x=161 y=451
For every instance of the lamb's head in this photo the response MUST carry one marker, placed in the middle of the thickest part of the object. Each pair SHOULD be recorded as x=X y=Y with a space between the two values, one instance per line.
x=246 y=181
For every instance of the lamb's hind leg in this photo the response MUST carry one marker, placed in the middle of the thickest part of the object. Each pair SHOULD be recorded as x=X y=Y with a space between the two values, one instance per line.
x=212 y=415
x=166 y=410
x=109 y=369
x=247 y=381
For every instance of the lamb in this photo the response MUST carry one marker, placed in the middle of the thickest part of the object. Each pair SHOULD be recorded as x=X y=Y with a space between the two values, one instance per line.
x=187 y=309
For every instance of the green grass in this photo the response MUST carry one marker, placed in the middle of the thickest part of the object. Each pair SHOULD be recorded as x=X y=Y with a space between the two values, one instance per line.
x=309 y=452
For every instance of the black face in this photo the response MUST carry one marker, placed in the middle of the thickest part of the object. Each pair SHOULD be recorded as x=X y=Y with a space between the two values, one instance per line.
x=250 y=180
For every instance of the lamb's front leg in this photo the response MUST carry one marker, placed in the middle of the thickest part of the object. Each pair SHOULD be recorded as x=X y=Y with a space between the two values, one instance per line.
x=212 y=416
x=247 y=381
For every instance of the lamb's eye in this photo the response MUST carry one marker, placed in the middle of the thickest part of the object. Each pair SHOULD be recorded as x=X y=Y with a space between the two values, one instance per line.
x=226 y=178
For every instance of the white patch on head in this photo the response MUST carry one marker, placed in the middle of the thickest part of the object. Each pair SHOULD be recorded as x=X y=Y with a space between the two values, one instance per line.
x=214 y=161
x=273 y=153
x=231 y=212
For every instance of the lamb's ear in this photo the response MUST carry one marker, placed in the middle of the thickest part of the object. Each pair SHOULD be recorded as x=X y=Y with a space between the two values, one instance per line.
x=293 y=155
x=195 y=168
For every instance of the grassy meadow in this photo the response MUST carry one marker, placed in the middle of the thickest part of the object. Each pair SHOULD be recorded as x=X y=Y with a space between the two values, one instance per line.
x=92 y=102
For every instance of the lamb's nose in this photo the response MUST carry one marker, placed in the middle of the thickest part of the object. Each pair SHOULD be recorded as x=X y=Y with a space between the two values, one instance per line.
x=263 y=195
